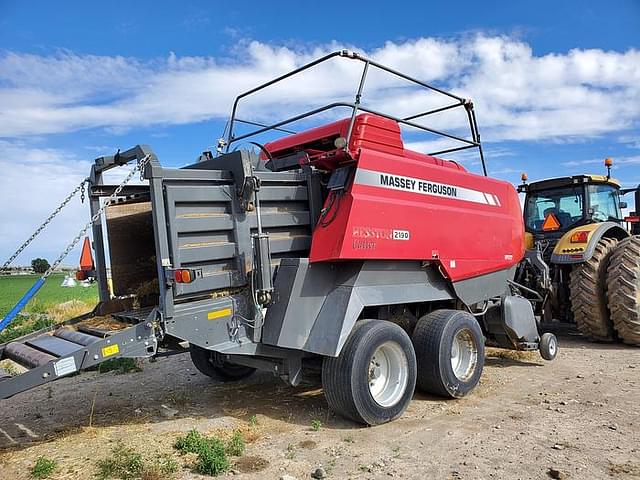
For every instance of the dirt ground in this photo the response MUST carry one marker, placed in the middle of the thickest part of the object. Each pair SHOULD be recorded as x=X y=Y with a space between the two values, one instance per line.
x=578 y=417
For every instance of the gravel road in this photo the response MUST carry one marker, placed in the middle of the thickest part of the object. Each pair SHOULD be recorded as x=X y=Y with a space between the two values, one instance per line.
x=577 y=417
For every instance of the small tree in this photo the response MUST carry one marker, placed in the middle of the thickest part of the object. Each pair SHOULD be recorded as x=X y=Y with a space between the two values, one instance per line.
x=40 y=265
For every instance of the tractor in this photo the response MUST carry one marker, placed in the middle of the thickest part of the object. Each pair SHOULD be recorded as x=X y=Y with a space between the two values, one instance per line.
x=582 y=256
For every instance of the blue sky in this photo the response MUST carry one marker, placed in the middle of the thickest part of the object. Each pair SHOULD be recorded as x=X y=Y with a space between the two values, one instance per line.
x=556 y=84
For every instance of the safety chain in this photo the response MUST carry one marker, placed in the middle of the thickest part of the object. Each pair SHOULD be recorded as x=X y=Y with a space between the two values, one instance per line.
x=79 y=188
x=139 y=167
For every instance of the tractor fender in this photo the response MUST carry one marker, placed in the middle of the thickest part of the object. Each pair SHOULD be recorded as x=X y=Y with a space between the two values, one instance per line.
x=568 y=252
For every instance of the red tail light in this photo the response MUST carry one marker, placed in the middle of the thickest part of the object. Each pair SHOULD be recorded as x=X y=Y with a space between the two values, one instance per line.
x=581 y=236
x=183 y=276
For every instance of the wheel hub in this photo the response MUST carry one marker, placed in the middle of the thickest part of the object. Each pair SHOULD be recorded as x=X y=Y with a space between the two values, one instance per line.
x=387 y=375
x=464 y=355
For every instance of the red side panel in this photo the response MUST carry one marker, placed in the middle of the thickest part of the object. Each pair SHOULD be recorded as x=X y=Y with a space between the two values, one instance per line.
x=376 y=133
x=408 y=207
x=369 y=131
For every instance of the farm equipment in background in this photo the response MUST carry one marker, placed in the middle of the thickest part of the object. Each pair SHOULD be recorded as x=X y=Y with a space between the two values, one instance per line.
x=581 y=264
x=336 y=250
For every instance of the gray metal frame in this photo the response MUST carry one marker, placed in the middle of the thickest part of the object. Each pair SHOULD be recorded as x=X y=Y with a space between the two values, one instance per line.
x=316 y=305
x=138 y=341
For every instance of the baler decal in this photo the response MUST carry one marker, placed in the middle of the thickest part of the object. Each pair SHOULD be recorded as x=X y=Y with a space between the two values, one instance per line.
x=110 y=350
x=424 y=187
x=214 y=315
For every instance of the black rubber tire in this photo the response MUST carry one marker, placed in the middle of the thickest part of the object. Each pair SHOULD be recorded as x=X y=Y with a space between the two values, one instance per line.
x=210 y=364
x=433 y=340
x=345 y=378
x=623 y=280
x=588 y=290
x=548 y=346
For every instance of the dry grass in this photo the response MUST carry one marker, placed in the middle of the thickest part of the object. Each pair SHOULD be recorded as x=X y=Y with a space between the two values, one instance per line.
x=67 y=310
x=105 y=322
x=527 y=356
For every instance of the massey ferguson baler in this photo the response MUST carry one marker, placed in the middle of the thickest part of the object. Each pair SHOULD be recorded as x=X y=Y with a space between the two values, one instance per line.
x=333 y=250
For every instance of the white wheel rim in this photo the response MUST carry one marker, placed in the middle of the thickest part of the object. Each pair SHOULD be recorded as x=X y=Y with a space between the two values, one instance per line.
x=388 y=374
x=464 y=355
x=552 y=347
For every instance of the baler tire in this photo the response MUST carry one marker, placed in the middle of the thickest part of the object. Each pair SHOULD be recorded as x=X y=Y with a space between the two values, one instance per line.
x=548 y=346
x=350 y=379
x=588 y=294
x=434 y=338
x=623 y=280
x=208 y=363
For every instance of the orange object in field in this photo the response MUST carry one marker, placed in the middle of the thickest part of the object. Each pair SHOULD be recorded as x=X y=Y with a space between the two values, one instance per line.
x=86 y=259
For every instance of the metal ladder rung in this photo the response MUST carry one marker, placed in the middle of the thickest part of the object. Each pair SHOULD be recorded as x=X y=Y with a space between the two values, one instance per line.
x=26 y=356
x=133 y=316
x=99 y=333
x=54 y=345
x=76 y=337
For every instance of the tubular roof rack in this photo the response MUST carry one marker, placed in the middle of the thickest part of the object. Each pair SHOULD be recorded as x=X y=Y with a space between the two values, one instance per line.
x=355 y=106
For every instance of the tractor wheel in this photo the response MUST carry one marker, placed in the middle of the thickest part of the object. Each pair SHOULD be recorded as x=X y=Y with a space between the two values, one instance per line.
x=450 y=352
x=373 y=378
x=210 y=364
x=588 y=287
x=623 y=279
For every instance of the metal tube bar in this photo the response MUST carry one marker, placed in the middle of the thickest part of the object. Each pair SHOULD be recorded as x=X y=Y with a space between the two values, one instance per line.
x=411 y=79
x=290 y=120
x=456 y=149
x=356 y=103
x=271 y=82
x=420 y=127
x=477 y=135
x=249 y=122
x=364 y=109
x=430 y=112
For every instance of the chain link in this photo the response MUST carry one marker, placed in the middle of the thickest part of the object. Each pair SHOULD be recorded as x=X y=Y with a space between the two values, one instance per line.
x=139 y=167
x=79 y=188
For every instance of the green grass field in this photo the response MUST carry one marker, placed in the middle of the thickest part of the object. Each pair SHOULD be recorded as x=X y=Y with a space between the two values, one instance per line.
x=47 y=301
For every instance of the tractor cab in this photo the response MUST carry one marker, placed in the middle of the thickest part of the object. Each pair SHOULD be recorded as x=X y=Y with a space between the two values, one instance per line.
x=553 y=207
x=573 y=228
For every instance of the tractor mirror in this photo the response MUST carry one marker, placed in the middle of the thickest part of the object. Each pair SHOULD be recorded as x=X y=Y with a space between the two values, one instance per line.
x=623 y=205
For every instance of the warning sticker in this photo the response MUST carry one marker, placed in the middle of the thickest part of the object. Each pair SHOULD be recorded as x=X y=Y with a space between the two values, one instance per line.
x=225 y=312
x=65 y=366
x=550 y=223
x=110 y=350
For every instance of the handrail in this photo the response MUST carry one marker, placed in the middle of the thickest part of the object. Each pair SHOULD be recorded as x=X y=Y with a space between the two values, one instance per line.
x=356 y=106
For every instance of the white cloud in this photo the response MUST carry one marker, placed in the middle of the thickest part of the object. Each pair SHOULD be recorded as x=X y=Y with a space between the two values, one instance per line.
x=630 y=160
x=29 y=196
x=518 y=95
x=33 y=183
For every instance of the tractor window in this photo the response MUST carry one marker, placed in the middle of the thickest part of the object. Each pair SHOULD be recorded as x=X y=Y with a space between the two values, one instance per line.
x=604 y=204
x=565 y=203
